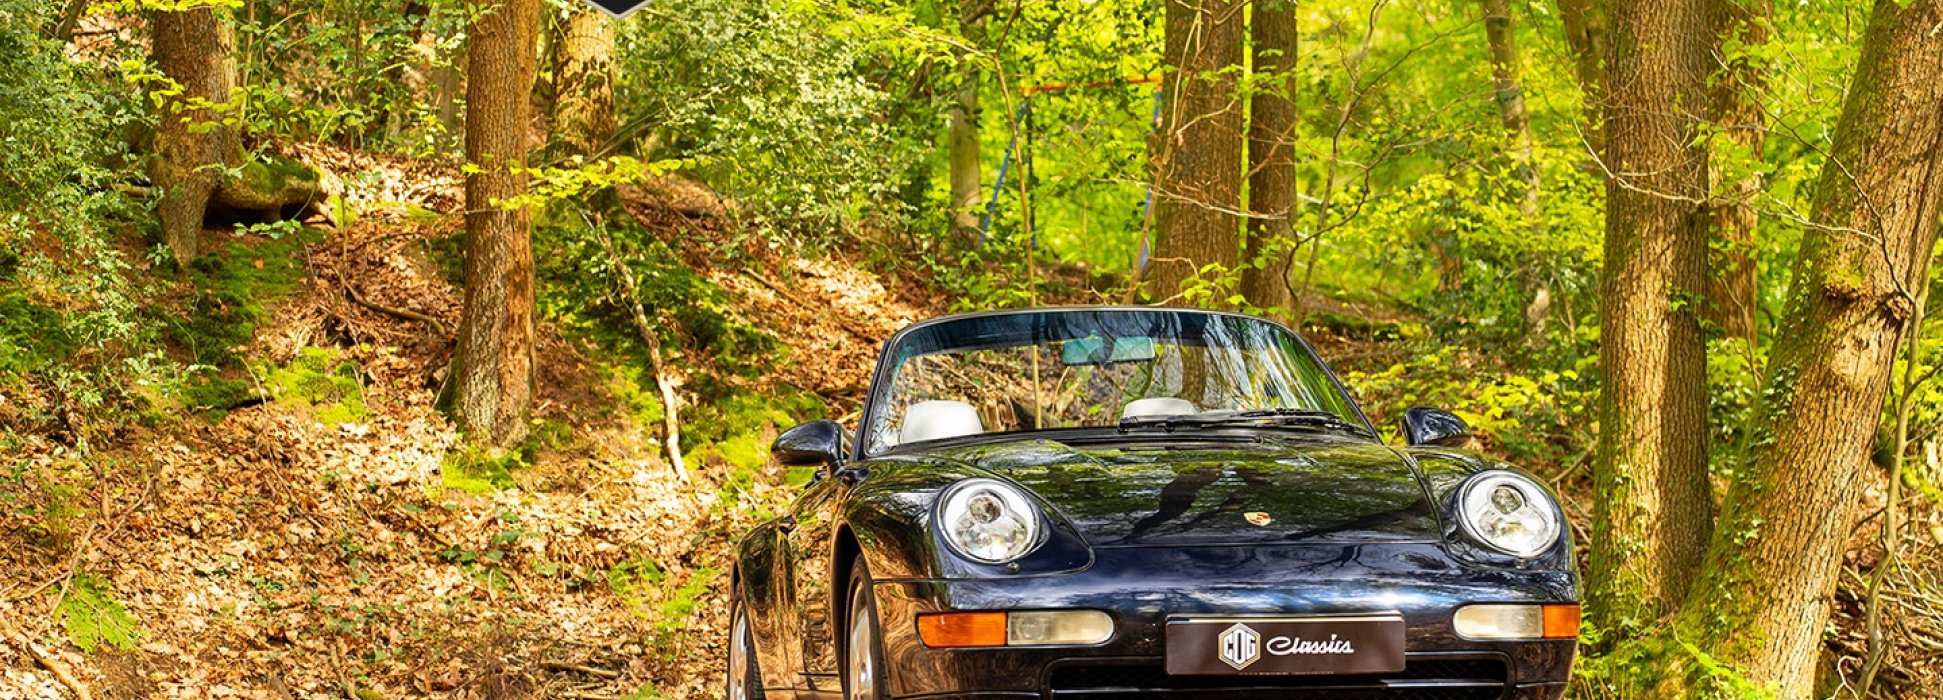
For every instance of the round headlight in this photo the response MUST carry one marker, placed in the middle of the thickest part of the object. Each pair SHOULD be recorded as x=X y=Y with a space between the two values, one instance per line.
x=1508 y=513
x=988 y=521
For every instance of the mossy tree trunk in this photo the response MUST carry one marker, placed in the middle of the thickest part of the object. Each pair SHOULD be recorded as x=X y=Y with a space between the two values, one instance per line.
x=493 y=364
x=1271 y=160
x=1763 y=600
x=1652 y=505
x=195 y=49
x=1198 y=168
x=1738 y=88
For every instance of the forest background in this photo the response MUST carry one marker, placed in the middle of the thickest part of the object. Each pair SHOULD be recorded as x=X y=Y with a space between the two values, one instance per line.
x=410 y=348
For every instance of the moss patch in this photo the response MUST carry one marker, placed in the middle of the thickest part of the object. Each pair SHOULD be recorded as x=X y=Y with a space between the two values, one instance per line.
x=737 y=431
x=480 y=470
x=317 y=379
x=232 y=288
x=31 y=335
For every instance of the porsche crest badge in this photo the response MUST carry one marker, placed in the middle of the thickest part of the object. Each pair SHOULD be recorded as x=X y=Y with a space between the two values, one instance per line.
x=1258 y=518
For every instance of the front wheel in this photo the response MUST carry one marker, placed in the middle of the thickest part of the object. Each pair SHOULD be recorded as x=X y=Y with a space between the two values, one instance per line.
x=744 y=676
x=863 y=677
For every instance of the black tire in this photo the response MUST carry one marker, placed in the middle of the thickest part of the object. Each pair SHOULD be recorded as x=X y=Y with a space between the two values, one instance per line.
x=742 y=646
x=863 y=641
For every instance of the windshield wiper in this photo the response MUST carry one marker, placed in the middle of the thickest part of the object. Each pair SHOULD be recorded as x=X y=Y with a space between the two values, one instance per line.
x=1263 y=417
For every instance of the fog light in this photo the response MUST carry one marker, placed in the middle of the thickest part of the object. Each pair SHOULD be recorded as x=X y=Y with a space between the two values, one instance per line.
x=1517 y=621
x=1043 y=627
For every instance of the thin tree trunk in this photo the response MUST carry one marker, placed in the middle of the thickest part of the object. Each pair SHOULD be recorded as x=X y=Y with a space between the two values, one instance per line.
x=448 y=84
x=670 y=401
x=1587 y=26
x=962 y=131
x=63 y=27
x=405 y=72
x=1197 y=185
x=583 y=83
x=1271 y=161
x=963 y=135
x=1731 y=284
x=1652 y=506
x=494 y=359
x=1501 y=35
x=1762 y=602
x=193 y=48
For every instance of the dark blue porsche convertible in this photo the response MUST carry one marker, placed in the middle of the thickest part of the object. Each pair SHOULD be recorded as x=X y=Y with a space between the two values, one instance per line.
x=1096 y=503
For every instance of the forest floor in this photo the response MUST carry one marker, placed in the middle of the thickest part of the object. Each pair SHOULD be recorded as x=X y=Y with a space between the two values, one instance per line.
x=345 y=545
x=333 y=538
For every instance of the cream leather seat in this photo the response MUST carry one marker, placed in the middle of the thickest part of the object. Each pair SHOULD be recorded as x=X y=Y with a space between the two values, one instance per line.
x=1158 y=406
x=937 y=420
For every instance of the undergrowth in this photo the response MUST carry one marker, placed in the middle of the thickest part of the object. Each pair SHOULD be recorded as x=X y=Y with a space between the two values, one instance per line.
x=93 y=618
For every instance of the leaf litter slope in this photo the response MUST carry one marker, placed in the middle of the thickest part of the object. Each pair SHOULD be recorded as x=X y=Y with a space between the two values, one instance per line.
x=273 y=554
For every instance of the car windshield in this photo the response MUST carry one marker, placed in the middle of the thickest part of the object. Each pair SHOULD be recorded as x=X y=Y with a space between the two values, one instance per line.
x=1048 y=370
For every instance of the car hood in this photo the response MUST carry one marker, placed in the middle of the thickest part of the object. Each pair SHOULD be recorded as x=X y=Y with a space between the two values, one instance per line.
x=1210 y=493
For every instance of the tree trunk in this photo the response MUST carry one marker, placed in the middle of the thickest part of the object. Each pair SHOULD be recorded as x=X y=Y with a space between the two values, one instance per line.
x=1652 y=507
x=1197 y=184
x=583 y=83
x=1499 y=32
x=965 y=182
x=494 y=360
x=1731 y=285
x=1501 y=35
x=1586 y=28
x=62 y=30
x=962 y=131
x=1271 y=161
x=193 y=48
x=1762 y=603
x=448 y=84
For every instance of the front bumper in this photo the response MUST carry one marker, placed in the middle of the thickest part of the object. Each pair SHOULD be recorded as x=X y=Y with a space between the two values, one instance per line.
x=1143 y=588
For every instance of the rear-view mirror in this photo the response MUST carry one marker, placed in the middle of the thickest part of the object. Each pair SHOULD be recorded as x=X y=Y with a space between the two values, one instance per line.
x=1103 y=351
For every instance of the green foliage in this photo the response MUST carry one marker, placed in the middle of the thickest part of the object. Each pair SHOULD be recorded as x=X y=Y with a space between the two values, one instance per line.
x=70 y=303
x=1533 y=419
x=92 y=617
x=646 y=692
x=548 y=185
x=318 y=379
x=355 y=56
x=777 y=103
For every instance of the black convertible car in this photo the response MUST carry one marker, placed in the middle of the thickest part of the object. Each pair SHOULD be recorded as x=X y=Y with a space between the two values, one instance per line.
x=1098 y=503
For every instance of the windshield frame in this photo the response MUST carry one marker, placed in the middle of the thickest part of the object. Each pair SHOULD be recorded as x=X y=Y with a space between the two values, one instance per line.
x=878 y=392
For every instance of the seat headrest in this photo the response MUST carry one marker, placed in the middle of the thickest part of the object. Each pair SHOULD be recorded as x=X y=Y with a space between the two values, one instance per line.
x=1158 y=406
x=937 y=420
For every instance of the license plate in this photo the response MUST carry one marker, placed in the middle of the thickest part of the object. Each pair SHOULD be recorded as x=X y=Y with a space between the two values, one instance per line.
x=1285 y=646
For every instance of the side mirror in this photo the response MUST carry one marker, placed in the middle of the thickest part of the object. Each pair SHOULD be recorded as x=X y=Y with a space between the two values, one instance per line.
x=812 y=444
x=1431 y=426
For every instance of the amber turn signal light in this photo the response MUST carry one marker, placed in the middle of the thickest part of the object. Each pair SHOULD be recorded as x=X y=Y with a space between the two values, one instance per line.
x=962 y=629
x=1561 y=621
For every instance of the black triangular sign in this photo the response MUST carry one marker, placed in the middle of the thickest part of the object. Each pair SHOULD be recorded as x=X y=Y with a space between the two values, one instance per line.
x=618 y=8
